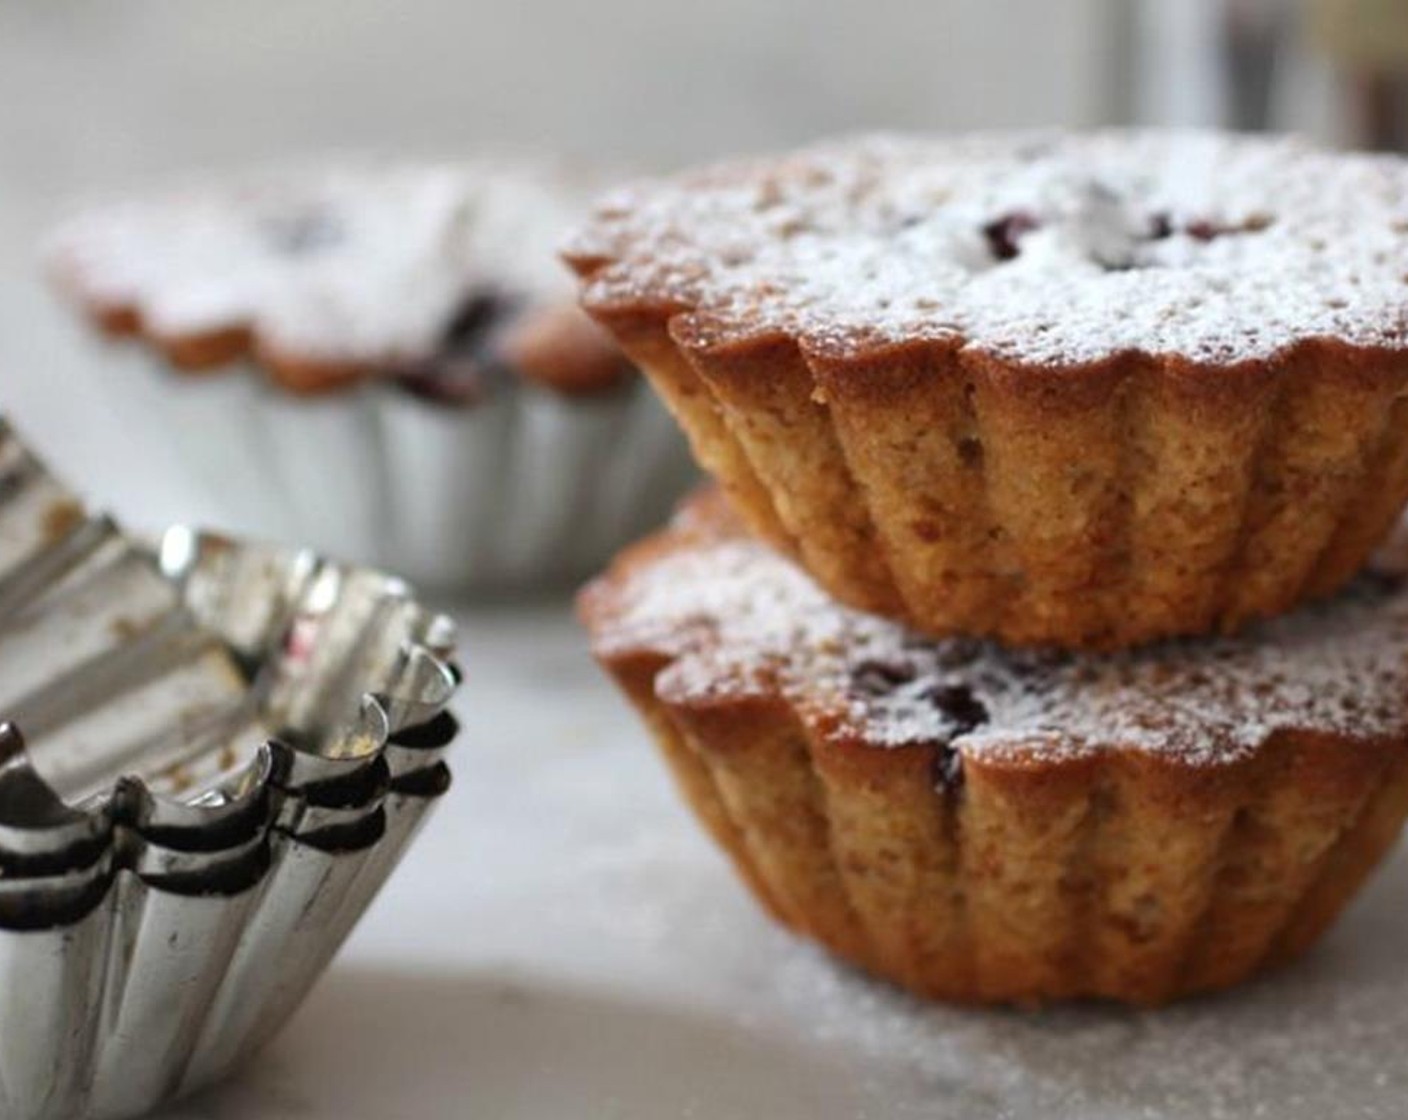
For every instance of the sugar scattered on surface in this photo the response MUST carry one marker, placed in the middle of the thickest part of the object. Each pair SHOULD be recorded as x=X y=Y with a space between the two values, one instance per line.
x=1310 y=1042
x=734 y=616
x=349 y=262
x=1043 y=248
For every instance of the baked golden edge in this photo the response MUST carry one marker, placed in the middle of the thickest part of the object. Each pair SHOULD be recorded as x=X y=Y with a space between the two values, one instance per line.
x=1095 y=507
x=1043 y=875
x=555 y=347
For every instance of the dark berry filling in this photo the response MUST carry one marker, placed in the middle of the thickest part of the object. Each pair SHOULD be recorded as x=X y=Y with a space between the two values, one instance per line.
x=466 y=365
x=956 y=703
x=948 y=768
x=1205 y=229
x=961 y=709
x=963 y=712
x=470 y=325
x=1004 y=234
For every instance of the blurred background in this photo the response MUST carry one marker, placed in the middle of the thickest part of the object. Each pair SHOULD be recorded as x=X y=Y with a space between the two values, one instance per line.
x=105 y=95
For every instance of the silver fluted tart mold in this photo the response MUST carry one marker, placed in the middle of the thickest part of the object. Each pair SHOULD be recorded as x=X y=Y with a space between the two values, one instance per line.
x=213 y=756
x=525 y=490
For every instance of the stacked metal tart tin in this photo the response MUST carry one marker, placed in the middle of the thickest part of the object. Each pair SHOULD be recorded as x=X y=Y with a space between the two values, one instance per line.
x=214 y=754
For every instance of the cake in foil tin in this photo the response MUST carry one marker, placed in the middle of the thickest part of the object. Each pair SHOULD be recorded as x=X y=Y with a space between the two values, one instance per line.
x=346 y=346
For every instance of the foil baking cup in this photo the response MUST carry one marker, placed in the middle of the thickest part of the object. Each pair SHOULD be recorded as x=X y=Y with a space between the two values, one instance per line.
x=214 y=754
x=523 y=490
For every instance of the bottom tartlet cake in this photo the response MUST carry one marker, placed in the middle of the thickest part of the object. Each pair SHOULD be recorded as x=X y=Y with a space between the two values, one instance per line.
x=984 y=825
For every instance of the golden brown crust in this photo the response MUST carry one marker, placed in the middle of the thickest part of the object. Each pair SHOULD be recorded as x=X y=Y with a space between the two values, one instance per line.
x=644 y=336
x=438 y=277
x=561 y=349
x=216 y=349
x=1092 y=507
x=636 y=678
x=116 y=320
x=558 y=348
x=1045 y=873
x=795 y=453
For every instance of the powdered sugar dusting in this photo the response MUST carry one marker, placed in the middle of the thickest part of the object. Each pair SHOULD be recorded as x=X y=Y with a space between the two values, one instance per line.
x=732 y=613
x=357 y=263
x=1320 y=1040
x=1043 y=248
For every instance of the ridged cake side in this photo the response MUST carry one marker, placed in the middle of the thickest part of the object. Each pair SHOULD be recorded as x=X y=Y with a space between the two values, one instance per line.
x=1084 y=390
x=1009 y=858
x=1124 y=879
x=1122 y=502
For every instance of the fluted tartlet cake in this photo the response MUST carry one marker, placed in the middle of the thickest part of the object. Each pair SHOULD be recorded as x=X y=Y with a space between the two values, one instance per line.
x=1073 y=390
x=985 y=825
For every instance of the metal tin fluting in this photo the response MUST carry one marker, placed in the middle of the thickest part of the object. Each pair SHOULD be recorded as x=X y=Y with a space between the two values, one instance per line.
x=213 y=755
x=523 y=490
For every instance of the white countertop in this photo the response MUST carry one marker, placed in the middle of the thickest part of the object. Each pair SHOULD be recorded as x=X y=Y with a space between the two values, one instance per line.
x=563 y=944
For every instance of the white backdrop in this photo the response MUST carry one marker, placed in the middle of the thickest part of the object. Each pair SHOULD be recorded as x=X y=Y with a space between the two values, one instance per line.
x=98 y=95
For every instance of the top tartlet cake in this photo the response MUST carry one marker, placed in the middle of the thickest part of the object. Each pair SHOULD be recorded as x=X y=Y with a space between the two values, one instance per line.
x=439 y=277
x=1082 y=390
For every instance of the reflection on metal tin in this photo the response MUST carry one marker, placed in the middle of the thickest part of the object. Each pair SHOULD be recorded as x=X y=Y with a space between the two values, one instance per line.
x=212 y=756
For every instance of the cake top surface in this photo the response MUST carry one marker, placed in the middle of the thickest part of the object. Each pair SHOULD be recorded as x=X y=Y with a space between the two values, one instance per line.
x=737 y=619
x=1040 y=248
x=355 y=262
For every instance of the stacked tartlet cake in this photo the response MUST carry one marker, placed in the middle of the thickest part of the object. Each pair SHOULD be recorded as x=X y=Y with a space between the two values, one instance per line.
x=1036 y=649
